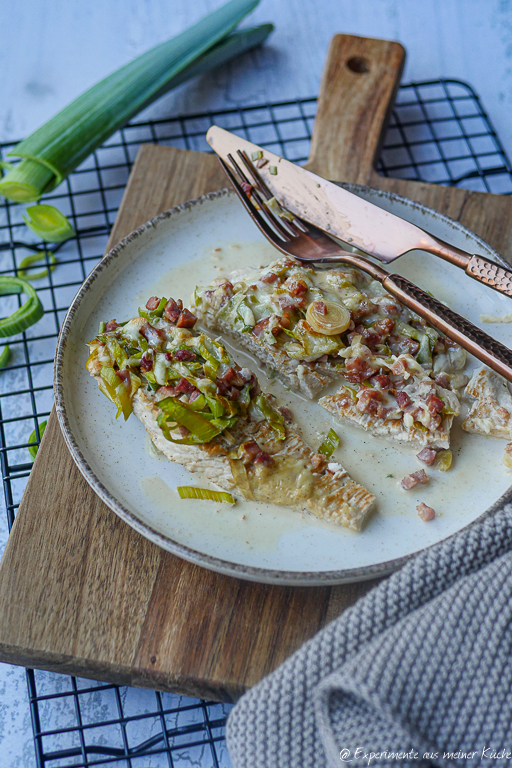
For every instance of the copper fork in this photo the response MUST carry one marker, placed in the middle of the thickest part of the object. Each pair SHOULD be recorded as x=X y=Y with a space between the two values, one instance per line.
x=305 y=242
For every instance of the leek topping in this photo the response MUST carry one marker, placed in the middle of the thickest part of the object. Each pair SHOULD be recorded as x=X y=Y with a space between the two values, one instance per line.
x=48 y=223
x=191 y=492
x=53 y=151
x=330 y=444
x=28 y=314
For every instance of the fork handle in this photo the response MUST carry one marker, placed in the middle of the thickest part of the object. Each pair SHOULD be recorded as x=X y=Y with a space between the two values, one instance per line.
x=491 y=274
x=488 y=350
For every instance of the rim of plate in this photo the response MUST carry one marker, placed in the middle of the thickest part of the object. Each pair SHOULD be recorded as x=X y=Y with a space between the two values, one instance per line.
x=226 y=567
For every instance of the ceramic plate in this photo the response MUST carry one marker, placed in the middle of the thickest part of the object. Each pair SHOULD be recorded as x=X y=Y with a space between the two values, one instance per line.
x=190 y=245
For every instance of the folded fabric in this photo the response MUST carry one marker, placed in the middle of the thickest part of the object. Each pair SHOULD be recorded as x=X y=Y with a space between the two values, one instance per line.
x=416 y=673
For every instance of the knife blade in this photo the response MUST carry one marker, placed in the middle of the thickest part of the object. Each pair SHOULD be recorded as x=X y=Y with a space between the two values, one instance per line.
x=350 y=218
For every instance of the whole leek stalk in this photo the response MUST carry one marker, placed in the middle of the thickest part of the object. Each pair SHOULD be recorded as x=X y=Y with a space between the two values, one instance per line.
x=58 y=147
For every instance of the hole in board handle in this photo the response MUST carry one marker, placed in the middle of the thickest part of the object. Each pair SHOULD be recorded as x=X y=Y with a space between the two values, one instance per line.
x=359 y=65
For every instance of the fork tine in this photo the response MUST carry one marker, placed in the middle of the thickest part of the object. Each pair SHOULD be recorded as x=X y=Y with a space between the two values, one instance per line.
x=297 y=226
x=275 y=221
x=251 y=209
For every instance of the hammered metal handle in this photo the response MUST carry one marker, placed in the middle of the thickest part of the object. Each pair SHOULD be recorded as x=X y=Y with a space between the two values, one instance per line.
x=491 y=274
x=490 y=351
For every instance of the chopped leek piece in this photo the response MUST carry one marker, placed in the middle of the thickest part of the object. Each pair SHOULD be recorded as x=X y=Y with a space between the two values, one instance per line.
x=4 y=356
x=274 y=418
x=257 y=155
x=59 y=146
x=202 y=430
x=190 y=492
x=444 y=460
x=330 y=444
x=272 y=169
x=33 y=449
x=48 y=223
x=28 y=314
x=102 y=326
x=5 y=166
x=25 y=263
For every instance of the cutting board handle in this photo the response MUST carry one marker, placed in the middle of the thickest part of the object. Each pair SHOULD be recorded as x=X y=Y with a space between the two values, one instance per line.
x=358 y=89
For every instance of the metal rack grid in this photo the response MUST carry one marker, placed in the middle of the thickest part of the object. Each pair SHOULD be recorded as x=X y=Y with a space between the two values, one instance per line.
x=439 y=132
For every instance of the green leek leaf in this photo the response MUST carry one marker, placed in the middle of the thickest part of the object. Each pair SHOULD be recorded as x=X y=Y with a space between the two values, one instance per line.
x=330 y=444
x=28 y=314
x=48 y=223
x=27 y=262
x=54 y=150
x=202 y=430
x=4 y=356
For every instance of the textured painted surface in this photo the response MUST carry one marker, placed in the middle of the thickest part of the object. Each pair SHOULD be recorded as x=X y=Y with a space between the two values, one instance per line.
x=54 y=50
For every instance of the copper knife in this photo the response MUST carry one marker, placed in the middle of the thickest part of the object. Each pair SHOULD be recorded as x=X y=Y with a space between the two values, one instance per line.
x=343 y=214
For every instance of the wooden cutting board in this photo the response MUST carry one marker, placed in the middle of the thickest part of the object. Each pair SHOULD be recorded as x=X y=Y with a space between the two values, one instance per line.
x=80 y=591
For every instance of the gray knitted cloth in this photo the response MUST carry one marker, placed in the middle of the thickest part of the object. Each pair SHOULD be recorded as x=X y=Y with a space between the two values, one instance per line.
x=419 y=671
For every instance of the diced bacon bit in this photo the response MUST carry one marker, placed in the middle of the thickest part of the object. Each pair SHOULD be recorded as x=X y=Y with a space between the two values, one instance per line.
x=287 y=302
x=153 y=336
x=246 y=375
x=368 y=400
x=295 y=286
x=183 y=387
x=427 y=456
x=146 y=362
x=425 y=512
x=352 y=335
x=403 y=400
x=442 y=380
x=184 y=432
x=125 y=378
x=390 y=309
x=288 y=416
x=111 y=325
x=399 y=368
x=186 y=319
x=264 y=459
x=183 y=354
x=357 y=370
x=318 y=461
x=435 y=421
x=261 y=326
x=284 y=320
x=195 y=394
x=152 y=303
x=402 y=344
x=172 y=311
x=384 y=326
x=320 y=307
x=365 y=308
x=247 y=188
x=381 y=380
x=435 y=404
x=233 y=377
x=164 y=392
x=370 y=338
x=270 y=277
x=416 y=478
x=248 y=451
x=382 y=412
x=322 y=359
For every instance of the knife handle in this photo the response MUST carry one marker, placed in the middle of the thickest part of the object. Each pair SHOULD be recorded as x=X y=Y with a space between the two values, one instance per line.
x=491 y=274
x=488 y=350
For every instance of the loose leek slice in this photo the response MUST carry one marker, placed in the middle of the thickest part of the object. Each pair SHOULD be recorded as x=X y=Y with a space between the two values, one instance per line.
x=190 y=492
x=274 y=418
x=4 y=356
x=28 y=314
x=53 y=151
x=444 y=460
x=33 y=449
x=27 y=262
x=48 y=223
x=330 y=444
x=328 y=317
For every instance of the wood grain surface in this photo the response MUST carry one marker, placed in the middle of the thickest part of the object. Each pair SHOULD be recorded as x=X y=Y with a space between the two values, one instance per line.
x=80 y=591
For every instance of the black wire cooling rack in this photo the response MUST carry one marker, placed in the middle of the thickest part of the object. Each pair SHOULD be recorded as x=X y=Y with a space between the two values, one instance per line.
x=439 y=133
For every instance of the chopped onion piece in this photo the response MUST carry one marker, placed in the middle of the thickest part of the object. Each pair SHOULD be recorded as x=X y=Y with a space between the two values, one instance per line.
x=328 y=317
